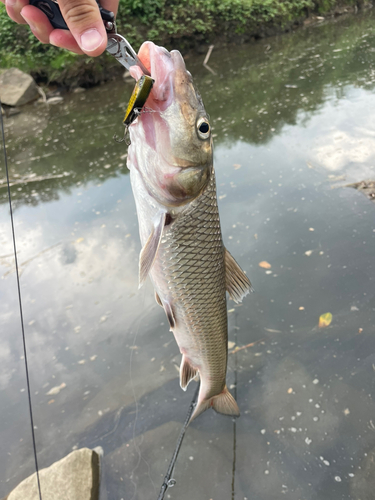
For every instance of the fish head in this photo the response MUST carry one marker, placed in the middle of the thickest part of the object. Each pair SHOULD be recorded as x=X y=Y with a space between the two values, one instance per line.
x=171 y=143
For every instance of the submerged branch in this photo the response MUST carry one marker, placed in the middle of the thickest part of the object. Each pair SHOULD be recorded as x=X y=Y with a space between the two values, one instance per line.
x=208 y=55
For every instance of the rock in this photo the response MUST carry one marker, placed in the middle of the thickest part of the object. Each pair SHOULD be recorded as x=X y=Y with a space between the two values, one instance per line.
x=79 y=90
x=9 y=111
x=17 y=88
x=76 y=476
x=55 y=100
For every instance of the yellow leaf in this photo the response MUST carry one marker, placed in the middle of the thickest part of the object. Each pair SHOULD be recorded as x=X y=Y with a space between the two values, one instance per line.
x=325 y=320
x=80 y=240
x=265 y=264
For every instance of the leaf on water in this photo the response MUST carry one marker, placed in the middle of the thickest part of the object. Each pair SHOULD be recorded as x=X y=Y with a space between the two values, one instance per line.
x=56 y=390
x=237 y=166
x=80 y=240
x=231 y=344
x=325 y=320
x=264 y=264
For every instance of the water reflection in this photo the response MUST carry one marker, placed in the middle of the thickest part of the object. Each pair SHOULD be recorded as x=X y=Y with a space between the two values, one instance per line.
x=291 y=124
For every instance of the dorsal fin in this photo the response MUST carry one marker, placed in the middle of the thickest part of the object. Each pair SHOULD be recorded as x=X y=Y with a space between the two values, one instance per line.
x=237 y=283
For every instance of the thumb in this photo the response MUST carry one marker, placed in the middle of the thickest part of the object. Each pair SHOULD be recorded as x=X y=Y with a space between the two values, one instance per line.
x=85 y=24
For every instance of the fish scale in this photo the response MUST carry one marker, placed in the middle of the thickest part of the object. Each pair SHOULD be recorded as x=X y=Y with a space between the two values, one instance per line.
x=192 y=247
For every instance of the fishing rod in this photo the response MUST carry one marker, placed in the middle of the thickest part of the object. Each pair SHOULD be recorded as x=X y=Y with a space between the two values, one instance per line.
x=20 y=304
x=168 y=480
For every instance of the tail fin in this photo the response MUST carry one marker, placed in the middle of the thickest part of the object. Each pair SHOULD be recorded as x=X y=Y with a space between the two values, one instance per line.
x=223 y=403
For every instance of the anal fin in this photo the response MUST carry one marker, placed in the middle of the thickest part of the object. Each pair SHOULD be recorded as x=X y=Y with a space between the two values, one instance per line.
x=237 y=283
x=149 y=251
x=187 y=373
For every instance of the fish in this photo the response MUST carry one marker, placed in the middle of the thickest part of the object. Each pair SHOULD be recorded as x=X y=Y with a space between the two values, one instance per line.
x=170 y=159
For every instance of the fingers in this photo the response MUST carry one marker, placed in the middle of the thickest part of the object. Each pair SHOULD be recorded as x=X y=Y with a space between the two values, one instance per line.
x=38 y=22
x=86 y=29
x=65 y=40
x=87 y=33
x=14 y=8
x=85 y=24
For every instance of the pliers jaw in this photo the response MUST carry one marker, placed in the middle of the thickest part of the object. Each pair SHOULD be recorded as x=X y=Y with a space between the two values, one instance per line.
x=121 y=49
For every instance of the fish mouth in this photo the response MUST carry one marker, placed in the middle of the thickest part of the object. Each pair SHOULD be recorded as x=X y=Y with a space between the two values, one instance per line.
x=161 y=64
x=163 y=67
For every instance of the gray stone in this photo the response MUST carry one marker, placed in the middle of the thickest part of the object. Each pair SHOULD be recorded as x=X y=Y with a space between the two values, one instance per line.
x=74 y=477
x=55 y=100
x=17 y=88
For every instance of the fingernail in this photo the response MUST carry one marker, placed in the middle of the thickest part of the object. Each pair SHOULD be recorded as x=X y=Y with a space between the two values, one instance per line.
x=10 y=3
x=91 y=40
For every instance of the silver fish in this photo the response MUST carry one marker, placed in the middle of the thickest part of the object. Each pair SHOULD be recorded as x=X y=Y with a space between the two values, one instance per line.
x=171 y=166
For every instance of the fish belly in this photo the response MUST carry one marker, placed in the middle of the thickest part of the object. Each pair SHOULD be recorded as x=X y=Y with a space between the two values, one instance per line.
x=189 y=275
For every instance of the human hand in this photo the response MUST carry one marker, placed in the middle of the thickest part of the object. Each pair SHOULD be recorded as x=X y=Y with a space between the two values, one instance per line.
x=86 y=34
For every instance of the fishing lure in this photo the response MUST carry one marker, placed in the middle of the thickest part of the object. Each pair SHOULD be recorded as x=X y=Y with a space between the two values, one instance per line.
x=138 y=99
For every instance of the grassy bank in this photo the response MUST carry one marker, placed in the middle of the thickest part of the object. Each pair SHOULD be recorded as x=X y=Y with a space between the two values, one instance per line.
x=180 y=24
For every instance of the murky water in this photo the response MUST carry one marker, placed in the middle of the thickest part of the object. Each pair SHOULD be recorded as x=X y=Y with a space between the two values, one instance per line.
x=294 y=123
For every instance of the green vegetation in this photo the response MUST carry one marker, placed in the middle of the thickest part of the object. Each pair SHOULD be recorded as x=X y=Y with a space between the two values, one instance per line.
x=256 y=96
x=180 y=24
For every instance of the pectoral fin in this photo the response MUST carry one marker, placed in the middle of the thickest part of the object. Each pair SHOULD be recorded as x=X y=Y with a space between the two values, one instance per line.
x=237 y=283
x=148 y=252
x=168 y=311
x=170 y=315
x=187 y=373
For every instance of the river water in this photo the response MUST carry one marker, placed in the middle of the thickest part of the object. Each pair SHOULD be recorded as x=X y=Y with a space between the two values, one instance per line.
x=294 y=123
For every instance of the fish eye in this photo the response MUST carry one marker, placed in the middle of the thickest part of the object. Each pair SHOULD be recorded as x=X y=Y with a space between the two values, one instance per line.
x=203 y=128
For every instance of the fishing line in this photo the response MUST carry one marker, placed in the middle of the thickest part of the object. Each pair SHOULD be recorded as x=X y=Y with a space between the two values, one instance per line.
x=136 y=446
x=168 y=481
x=234 y=420
x=20 y=306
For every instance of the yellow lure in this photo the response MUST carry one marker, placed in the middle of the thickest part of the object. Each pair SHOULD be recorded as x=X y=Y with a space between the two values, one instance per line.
x=138 y=98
